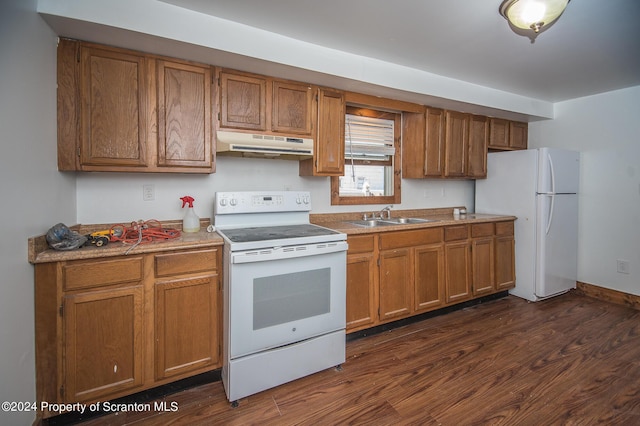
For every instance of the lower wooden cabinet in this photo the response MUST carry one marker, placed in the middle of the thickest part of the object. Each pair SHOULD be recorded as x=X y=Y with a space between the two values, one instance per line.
x=482 y=259
x=393 y=275
x=109 y=327
x=411 y=272
x=362 y=302
x=186 y=325
x=102 y=342
x=428 y=268
x=395 y=283
x=505 y=267
x=457 y=263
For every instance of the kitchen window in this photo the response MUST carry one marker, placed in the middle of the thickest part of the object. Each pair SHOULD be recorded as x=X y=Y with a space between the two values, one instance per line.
x=372 y=162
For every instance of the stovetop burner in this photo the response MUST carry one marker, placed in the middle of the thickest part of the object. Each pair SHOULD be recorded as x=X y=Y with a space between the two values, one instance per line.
x=266 y=233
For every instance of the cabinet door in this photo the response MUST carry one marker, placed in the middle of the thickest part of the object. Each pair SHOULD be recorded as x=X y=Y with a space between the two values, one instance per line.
x=114 y=108
x=429 y=277
x=518 y=133
x=482 y=259
x=505 y=256
x=413 y=144
x=478 y=139
x=329 y=143
x=186 y=325
x=243 y=101
x=291 y=108
x=395 y=283
x=184 y=115
x=505 y=263
x=498 y=133
x=456 y=144
x=103 y=346
x=435 y=143
x=361 y=303
x=458 y=281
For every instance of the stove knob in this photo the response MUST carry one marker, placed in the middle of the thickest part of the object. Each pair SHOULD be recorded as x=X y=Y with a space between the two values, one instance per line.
x=233 y=202
x=223 y=202
x=298 y=200
x=306 y=200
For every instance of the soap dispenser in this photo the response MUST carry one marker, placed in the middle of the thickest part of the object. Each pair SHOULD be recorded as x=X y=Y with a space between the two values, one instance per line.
x=190 y=222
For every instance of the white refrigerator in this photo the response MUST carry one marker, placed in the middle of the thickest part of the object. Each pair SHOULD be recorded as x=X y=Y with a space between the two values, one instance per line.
x=540 y=188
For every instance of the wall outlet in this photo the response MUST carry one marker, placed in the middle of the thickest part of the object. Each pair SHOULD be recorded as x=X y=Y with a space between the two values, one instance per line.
x=623 y=266
x=148 y=192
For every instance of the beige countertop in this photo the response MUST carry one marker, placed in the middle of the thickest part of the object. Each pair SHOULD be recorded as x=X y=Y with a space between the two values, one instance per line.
x=39 y=252
x=439 y=217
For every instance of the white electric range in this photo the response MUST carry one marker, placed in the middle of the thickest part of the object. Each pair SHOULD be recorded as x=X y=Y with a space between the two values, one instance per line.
x=284 y=290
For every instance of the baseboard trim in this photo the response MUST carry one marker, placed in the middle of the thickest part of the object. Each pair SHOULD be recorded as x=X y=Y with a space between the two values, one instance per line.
x=608 y=295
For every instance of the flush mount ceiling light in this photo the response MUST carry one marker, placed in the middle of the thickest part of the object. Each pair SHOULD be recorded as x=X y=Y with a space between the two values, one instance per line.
x=532 y=14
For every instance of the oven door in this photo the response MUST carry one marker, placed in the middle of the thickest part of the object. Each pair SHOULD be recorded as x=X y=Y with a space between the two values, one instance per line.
x=284 y=295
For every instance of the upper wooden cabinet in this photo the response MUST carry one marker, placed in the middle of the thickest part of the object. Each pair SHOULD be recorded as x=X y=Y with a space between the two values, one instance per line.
x=456 y=144
x=434 y=142
x=114 y=108
x=124 y=111
x=439 y=143
x=260 y=103
x=518 y=133
x=243 y=101
x=292 y=108
x=507 y=135
x=423 y=143
x=478 y=146
x=184 y=115
x=328 y=155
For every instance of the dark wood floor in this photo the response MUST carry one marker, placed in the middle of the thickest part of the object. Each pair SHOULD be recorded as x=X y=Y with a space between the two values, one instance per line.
x=571 y=360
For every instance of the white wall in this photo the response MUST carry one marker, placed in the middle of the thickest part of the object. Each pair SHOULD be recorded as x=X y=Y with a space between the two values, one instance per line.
x=35 y=196
x=115 y=198
x=605 y=128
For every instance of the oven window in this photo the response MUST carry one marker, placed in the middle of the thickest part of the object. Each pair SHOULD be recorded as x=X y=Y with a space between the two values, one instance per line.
x=280 y=299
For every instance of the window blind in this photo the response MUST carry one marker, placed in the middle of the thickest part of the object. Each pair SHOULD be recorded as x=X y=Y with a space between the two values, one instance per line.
x=368 y=138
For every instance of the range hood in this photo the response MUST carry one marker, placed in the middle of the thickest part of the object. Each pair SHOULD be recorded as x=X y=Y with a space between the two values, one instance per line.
x=263 y=146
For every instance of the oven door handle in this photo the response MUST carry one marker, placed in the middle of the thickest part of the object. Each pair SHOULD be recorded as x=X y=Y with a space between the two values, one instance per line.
x=288 y=252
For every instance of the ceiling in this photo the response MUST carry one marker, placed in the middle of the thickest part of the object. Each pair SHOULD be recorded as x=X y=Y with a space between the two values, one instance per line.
x=594 y=47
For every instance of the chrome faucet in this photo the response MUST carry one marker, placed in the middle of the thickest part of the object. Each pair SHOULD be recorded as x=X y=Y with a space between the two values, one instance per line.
x=387 y=210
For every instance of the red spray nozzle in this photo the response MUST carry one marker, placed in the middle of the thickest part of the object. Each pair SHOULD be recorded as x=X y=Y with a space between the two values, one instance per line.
x=187 y=199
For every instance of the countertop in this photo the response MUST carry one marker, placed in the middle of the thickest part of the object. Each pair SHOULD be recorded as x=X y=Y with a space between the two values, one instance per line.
x=40 y=253
x=439 y=217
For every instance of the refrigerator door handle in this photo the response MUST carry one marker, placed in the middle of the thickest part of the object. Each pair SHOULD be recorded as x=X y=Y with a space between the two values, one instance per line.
x=550 y=218
x=553 y=175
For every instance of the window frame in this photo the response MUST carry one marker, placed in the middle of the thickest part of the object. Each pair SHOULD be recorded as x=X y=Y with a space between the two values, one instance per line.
x=336 y=199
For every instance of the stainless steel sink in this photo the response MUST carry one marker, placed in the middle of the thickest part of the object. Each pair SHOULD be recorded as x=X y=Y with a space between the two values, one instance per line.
x=408 y=220
x=371 y=223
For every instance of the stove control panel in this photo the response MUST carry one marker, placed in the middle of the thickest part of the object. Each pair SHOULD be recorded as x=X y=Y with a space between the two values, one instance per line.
x=261 y=202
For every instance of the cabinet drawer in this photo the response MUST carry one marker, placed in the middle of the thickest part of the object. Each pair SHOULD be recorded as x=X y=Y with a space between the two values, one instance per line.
x=458 y=232
x=418 y=237
x=185 y=262
x=481 y=230
x=93 y=273
x=361 y=243
x=504 y=228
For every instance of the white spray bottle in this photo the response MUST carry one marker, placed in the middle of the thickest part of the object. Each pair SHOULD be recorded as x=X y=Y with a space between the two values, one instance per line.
x=190 y=222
